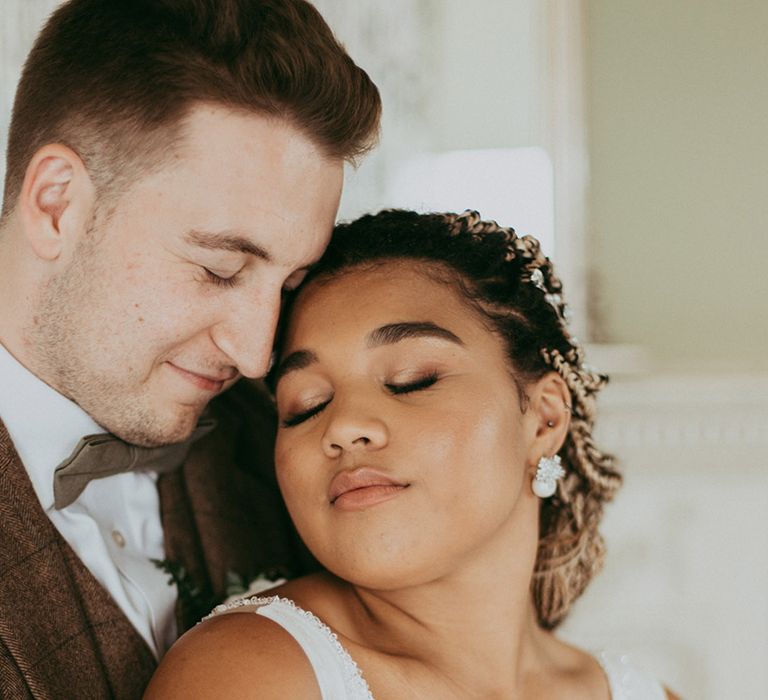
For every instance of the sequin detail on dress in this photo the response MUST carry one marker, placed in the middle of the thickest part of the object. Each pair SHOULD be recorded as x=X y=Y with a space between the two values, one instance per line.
x=626 y=681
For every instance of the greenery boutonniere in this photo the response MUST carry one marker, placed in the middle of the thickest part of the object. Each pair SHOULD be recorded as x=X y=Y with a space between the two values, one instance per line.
x=196 y=603
x=242 y=587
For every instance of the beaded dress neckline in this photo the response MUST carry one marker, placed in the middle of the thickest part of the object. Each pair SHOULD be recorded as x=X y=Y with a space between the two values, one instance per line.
x=340 y=678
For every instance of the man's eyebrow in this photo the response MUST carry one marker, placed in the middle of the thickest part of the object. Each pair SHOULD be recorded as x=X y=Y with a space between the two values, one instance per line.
x=395 y=332
x=296 y=360
x=226 y=240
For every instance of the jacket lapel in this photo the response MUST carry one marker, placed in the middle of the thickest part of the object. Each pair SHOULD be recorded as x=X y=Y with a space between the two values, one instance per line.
x=63 y=631
x=222 y=512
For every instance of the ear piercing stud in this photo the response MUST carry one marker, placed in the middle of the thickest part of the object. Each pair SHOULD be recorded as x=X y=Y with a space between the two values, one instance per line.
x=569 y=411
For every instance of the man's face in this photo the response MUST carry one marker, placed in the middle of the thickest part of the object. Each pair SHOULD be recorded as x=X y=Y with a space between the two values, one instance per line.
x=175 y=291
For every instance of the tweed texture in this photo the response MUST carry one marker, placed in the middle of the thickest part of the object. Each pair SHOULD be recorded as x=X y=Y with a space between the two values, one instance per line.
x=61 y=634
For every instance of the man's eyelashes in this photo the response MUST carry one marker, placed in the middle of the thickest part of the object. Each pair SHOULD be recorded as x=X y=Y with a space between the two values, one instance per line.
x=218 y=280
x=396 y=389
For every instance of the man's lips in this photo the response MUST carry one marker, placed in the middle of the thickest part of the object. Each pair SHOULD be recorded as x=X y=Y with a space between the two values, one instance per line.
x=206 y=382
x=363 y=487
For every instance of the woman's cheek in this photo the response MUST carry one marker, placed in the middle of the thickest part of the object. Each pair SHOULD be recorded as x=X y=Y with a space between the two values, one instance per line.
x=283 y=464
x=294 y=473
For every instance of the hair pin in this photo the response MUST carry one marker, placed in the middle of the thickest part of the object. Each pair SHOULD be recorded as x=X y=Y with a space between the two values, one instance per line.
x=537 y=278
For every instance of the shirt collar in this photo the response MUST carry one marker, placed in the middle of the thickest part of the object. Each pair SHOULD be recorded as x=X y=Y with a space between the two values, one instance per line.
x=44 y=426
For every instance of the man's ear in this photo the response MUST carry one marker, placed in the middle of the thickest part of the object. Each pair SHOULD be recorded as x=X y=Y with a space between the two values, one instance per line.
x=550 y=408
x=56 y=200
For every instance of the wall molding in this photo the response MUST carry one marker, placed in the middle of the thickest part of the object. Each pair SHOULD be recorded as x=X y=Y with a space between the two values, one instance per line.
x=706 y=414
x=564 y=75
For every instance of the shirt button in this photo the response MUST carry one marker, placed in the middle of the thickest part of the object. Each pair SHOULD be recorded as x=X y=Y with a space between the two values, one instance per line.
x=118 y=538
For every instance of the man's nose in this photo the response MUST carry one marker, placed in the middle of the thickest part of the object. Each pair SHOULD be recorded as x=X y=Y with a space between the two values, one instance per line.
x=247 y=335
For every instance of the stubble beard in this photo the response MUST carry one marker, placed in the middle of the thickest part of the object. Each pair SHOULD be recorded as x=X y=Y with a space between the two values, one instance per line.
x=69 y=345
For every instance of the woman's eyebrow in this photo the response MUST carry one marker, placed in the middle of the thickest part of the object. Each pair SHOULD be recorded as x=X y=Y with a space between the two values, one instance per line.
x=296 y=360
x=383 y=335
x=395 y=332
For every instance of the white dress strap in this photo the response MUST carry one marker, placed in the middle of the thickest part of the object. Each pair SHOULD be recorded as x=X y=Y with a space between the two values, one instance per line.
x=337 y=674
x=627 y=682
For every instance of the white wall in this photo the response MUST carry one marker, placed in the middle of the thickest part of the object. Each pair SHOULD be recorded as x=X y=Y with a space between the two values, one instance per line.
x=685 y=587
x=20 y=21
x=450 y=79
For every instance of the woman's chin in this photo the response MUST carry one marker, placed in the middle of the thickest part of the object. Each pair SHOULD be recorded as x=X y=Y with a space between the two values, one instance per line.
x=386 y=573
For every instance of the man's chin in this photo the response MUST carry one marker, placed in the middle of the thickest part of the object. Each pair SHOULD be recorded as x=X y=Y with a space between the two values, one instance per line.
x=162 y=429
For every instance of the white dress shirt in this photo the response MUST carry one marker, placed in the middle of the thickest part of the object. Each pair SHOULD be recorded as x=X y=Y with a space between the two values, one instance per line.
x=114 y=525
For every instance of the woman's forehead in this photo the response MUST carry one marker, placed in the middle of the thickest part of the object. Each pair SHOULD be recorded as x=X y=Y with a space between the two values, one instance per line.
x=407 y=288
x=395 y=302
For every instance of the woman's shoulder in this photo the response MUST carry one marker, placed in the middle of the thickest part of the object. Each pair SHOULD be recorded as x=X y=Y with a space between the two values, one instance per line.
x=235 y=655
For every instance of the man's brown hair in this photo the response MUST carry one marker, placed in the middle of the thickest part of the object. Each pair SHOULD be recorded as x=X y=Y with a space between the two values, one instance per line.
x=113 y=79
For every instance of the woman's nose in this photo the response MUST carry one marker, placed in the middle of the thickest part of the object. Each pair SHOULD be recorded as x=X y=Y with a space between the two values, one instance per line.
x=349 y=429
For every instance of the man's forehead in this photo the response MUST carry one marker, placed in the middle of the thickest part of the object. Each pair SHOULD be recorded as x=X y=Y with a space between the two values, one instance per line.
x=259 y=188
x=206 y=120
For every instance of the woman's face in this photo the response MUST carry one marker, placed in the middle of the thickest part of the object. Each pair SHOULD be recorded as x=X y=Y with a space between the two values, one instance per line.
x=402 y=448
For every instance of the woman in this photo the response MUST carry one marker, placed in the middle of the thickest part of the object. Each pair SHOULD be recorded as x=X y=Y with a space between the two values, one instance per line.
x=435 y=454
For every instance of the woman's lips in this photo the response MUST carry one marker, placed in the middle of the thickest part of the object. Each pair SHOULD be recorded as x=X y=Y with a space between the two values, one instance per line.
x=362 y=488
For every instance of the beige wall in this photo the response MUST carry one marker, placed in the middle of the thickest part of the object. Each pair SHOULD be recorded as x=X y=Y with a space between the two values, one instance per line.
x=678 y=127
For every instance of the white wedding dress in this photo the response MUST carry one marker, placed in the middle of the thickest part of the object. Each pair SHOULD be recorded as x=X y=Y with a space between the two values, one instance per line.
x=340 y=678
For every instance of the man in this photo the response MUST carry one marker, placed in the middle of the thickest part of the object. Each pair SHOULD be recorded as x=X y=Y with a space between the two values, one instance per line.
x=174 y=166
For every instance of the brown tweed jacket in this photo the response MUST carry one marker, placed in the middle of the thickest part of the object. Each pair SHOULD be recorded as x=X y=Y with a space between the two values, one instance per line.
x=61 y=634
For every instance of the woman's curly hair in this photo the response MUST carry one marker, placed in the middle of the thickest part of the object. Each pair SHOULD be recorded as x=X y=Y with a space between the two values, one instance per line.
x=511 y=282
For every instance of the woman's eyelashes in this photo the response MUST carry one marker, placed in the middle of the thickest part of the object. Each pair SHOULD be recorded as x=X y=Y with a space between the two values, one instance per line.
x=296 y=418
x=394 y=388
x=419 y=384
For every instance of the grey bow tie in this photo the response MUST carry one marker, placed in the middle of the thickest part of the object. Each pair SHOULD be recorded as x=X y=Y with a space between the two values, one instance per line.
x=97 y=456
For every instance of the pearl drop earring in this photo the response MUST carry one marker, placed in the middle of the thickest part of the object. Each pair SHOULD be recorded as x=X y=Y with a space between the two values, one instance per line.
x=548 y=471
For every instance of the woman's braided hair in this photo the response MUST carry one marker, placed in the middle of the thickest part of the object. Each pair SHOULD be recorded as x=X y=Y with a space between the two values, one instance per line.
x=509 y=280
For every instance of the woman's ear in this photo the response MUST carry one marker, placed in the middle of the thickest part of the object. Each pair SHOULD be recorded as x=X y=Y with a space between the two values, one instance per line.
x=550 y=408
x=56 y=200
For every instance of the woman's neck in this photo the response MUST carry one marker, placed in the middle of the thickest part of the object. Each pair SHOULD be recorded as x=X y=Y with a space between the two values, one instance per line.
x=473 y=625
x=473 y=619
x=470 y=631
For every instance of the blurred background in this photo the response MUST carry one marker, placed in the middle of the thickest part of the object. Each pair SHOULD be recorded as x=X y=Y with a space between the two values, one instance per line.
x=631 y=137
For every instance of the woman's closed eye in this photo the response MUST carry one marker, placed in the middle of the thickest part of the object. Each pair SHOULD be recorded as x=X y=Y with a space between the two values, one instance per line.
x=396 y=388
x=415 y=385
x=297 y=418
